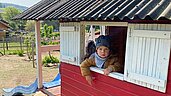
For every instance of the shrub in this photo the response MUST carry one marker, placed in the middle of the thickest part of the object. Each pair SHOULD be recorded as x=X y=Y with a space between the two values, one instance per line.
x=12 y=52
x=48 y=59
x=20 y=53
x=54 y=60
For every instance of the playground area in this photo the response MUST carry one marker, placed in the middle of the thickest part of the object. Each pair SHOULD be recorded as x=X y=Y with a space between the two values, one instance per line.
x=16 y=70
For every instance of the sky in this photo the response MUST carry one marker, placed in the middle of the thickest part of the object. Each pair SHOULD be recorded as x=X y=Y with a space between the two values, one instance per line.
x=27 y=3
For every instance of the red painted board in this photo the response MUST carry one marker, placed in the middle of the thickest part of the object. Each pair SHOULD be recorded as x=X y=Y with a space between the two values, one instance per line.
x=77 y=83
x=74 y=89
x=108 y=88
x=82 y=85
x=168 y=91
x=66 y=92
x=74 y=72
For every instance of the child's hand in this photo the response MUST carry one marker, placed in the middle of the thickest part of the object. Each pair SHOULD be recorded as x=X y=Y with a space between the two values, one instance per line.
x=107 y=71
x=89 y=79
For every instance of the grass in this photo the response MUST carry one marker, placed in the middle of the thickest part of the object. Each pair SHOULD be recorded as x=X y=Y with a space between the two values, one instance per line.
x=15 y=70
x=12 y=44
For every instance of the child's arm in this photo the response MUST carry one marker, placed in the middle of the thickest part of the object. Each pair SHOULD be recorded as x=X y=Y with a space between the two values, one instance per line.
x=85 y=67
x=85 y=70
x=114 y=67
x=107 y=71
x=89 y=79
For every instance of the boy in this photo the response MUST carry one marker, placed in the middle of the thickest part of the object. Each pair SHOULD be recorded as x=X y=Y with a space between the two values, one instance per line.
x=102 y=58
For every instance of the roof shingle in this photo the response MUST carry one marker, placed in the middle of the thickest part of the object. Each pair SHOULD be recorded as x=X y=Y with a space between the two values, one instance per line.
x=76 y=10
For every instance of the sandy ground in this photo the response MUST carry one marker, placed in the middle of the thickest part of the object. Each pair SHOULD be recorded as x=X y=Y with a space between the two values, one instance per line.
x=15 y=70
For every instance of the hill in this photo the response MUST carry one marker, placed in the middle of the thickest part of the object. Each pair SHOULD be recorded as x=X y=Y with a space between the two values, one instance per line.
x=4 y=5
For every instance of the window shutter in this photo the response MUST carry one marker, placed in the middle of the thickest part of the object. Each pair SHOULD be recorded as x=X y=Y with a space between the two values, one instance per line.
x=69 y=44
x=147 y=58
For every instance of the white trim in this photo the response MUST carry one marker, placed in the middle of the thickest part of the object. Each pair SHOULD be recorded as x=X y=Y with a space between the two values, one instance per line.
x=115 y=75
x=92 y=30
x=148 y=79
x=67 y=28
x=105 y=23
x=102 y=30
x=151 y=34
x=68 y=58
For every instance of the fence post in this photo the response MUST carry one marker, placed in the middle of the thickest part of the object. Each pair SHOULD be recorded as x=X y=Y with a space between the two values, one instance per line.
x=32 y=46
x=6 y=43
x=3 y=45
x=21 y=42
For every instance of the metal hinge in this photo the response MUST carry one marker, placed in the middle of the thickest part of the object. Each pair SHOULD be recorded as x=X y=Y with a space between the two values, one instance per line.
x=130 y=33
x=127 y=73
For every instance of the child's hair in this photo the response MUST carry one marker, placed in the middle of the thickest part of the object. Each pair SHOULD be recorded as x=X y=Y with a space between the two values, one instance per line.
x=90 y=49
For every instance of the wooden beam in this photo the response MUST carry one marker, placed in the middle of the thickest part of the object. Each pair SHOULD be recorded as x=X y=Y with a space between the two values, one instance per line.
x=105 y=23
x=38 y=54
x=48 y=48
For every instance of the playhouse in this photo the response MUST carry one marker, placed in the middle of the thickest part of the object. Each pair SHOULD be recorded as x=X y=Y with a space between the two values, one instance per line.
x=141 y=34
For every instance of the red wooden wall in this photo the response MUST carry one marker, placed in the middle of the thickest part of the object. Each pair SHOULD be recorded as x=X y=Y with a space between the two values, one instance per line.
x=73 y=84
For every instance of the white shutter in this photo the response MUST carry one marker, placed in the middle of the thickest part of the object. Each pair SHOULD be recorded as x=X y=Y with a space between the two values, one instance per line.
x=69 y=43
x=147 y=58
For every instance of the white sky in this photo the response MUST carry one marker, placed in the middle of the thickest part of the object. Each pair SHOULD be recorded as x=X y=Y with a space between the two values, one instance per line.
x=27 y=3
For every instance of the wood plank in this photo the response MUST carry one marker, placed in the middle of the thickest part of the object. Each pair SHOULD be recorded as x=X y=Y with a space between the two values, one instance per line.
x=151 y=61
x=125 y=86
x=129 y=87
x=68 y=58
x=148 y=79
x=83 y=86
x=74 y=89
x=48 y=48
x=80 y=83
x=66 y=92
x=151 y=34
x=74 y=75
x=70 y=67
x=168 y=88
x=67 y=28
x=169 y=76
x=110 y=89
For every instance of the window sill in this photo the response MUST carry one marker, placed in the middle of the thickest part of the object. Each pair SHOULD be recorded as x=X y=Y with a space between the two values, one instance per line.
x=115 y=75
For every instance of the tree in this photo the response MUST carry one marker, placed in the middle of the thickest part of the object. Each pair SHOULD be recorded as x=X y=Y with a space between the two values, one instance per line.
x=54 y=23
x=30 y=26
x=0 y=5
x=47 y=31
x=8 y=14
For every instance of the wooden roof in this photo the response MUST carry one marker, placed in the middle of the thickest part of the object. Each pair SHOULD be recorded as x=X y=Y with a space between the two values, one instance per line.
x=103 y=10
x=4 y=23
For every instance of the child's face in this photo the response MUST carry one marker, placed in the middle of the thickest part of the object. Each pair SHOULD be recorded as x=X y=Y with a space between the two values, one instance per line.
x=103 y=51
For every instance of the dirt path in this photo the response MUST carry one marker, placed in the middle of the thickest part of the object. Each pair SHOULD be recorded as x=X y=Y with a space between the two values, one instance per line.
x=15 y=70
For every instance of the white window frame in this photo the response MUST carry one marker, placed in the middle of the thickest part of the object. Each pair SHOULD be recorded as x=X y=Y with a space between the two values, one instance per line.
x=115 y=75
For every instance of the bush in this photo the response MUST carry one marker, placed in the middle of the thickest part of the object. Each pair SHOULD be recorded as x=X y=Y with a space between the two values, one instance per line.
x=54 y=60
x=56 y=34
x=48 y=59
x=12 y=52
x=20 y=53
